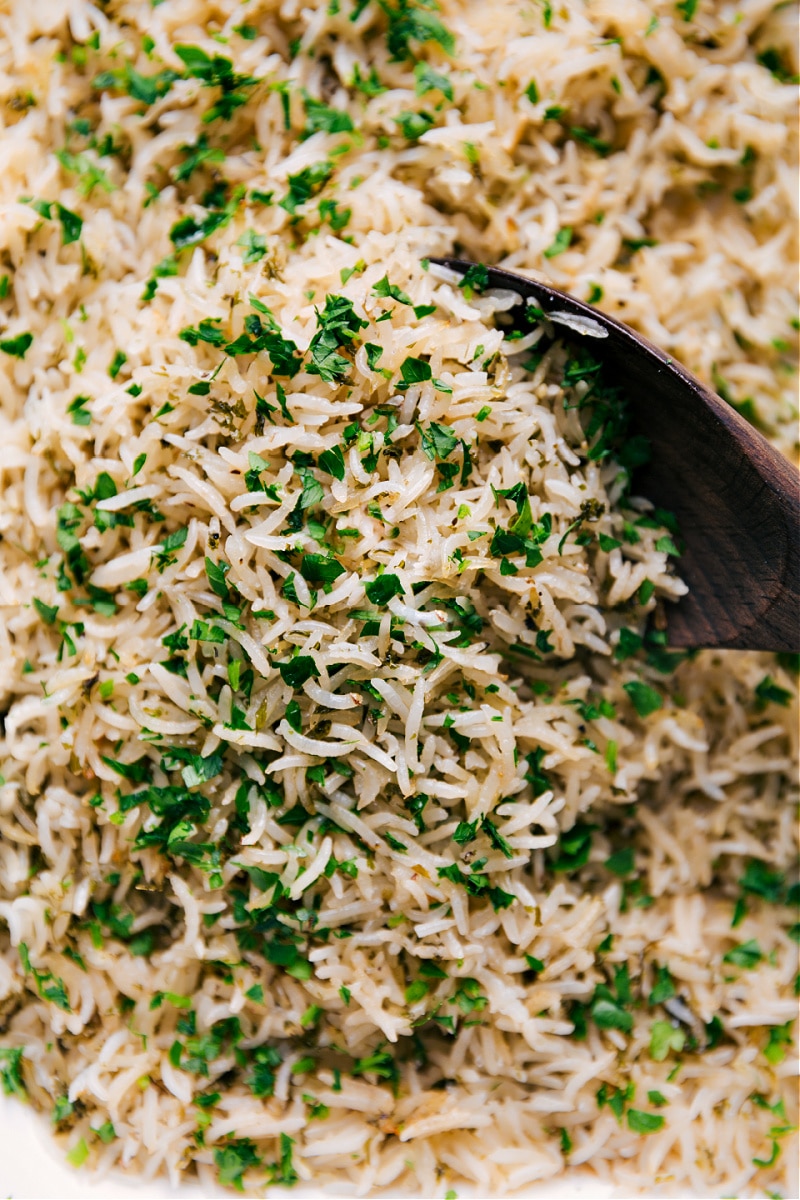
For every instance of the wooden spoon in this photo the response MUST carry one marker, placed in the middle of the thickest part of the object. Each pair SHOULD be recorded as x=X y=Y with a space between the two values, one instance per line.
x=736 y=497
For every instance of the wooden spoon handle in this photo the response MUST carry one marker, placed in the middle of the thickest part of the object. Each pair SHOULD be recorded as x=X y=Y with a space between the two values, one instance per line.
x=736 y=497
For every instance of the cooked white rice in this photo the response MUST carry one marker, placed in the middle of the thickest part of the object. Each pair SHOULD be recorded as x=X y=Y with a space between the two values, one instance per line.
x=344 y=837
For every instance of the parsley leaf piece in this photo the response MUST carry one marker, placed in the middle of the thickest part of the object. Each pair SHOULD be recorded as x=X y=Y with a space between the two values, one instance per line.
x=216 y=573
x=195 y=155
x=374 y=353
x=91 y=176
x=768 y=692
x=117 y=363
x=663 y=988
x=438 y=441
x=71 y=224
x=574 y=847
x=254 y=245
x=79 y=1153
x=321 y=118
x=759 y=880
x=312 y=493
x=644 y=1122
x=10 y=1070
x=607 y=1014
x=47 y=612
x=645 y=700
x=414 y=370
x=145 y=88
x=368 y=85
x=332 y=462
x=298 y=670
x=386 y=289
x=474 y=279
x=233 y=1160
x=305 y=184
x=337 y=218
x=285 y=361
x=414 y=124
x=17 y=346
x=408 y=21
x=664 y=1037
x=466 y=831
x=283 y=1172
x=496 y=838
x=747 y=955
x=216 y=71
x=188 y=231
x=629 y=643
x=560 y=243
x=621 y=861
x=326 y=361
x=135 y=772
x=428 y=80
x=338 y=324
x=173 y=541
x=321 y=569
x=597 y=144
x=381 y=590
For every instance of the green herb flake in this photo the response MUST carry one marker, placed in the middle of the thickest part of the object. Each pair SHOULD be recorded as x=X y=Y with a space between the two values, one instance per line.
x=17 y=346
x=332 y=462
x=644 y=1122
x=645 y=700
x=47 y=612
x=305 y=184
x=426 y=79
x=321 y=118
x=665 y=1037
x=77 y=410
x=747 y=955
x=560 y=243
x=298 y=670
x=390 y=290
x=663 y=987
x=11 y=1070
x=381 y=590
x=413 y=21
x=621 y=861
x=233 y=1160
x=78 y=1155
x=254 y=246
x=117 y=363
x=768 y=692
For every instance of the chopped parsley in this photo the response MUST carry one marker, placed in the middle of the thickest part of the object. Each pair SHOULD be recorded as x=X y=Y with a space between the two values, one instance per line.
x=426 y=79
x=337 y=326
x=381 y=590
x=144 y=88
x=17 y=346
x=561 y=242
x=11 y=1070
x=254 y=246
x=645 y=699
x=298 y=670
x=411 y=21
x=305 y=184
x=644 y=1122
x=321 y=118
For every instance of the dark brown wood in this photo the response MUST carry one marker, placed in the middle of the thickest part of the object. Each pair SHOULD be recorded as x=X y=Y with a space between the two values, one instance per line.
x=736 y=497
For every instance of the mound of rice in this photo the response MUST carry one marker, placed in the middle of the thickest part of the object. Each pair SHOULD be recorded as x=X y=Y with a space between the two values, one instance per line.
x=358 y=826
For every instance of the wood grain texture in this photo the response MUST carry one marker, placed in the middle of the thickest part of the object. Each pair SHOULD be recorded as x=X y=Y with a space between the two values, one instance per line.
x=736 y=497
